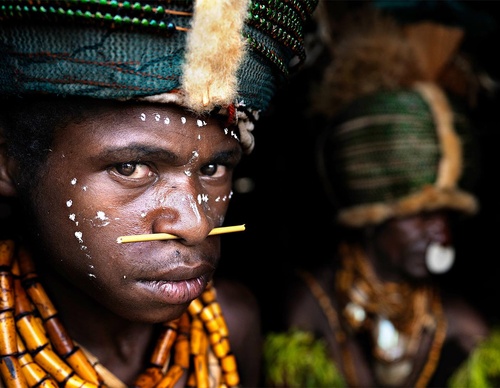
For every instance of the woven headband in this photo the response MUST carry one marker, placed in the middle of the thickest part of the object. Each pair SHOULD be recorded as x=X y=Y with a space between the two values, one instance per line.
x=397 y=153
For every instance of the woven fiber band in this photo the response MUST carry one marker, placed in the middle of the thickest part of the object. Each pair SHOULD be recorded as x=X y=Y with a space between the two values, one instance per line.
x=397 y=153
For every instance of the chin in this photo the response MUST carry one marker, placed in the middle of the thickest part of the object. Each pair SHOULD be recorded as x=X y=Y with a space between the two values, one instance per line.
x=417 y=270
x=154 y=316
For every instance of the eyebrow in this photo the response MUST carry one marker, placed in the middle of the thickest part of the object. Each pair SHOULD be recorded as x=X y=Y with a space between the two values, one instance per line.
x=137 y=152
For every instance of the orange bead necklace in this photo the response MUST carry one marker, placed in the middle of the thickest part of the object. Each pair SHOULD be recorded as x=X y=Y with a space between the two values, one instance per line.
x=36 y=350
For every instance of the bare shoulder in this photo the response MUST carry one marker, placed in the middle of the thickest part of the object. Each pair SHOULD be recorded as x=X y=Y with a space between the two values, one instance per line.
x=236 y=297
x=466 y=324
x=242 y=313
x=306 y=294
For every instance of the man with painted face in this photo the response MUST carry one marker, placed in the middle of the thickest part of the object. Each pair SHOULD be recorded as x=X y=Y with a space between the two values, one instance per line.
x=123 y=119
x=397 y=159
x=378 y=303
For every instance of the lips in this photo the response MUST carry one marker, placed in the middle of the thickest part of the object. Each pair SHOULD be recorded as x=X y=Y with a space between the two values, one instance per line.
x=180 y=285
x=178 y=292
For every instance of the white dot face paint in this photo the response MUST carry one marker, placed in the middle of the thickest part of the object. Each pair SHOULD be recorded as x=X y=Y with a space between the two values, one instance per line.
x=202 y=198
x=69 y=203
x=224 y=198
x=439 y=259
x=166 y=120
x=231 y=133
x=100 y=219
x=79 y=236
x=72 y=217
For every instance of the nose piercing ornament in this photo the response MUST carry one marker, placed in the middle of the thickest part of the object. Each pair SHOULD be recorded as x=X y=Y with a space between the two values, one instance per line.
x=167 y=236
x=438 y=258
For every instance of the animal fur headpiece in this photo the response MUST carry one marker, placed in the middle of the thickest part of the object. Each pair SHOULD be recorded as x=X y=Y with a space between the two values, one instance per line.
x=396 y=144
x=227 y=56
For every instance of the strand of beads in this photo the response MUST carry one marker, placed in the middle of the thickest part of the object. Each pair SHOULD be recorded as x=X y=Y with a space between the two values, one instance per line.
x=209 y=311
x=115 y=13
x=59 y=338
x=159 y=358
x=10 y=366
x=331 y=315
x=42 y=333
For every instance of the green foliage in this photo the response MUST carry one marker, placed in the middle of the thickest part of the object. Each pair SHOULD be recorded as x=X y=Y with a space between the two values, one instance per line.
x=482 y=367
x=297 y=359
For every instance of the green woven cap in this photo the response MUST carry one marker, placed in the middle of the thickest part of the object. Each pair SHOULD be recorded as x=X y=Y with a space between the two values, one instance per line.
x=397 y=153
x=116 y=49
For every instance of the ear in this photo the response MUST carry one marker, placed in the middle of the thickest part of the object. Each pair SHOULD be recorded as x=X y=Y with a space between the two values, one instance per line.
x=7 y=166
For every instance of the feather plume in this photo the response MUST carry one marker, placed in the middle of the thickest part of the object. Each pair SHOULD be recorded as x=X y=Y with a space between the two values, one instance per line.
x=371 y=47
x=450 y=165
x=435 y=45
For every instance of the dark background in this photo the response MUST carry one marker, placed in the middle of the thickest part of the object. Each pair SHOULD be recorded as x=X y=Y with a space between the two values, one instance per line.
x=289 y=220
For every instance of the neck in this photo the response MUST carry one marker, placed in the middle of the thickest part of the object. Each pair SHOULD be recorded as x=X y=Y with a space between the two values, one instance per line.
x=386 y=272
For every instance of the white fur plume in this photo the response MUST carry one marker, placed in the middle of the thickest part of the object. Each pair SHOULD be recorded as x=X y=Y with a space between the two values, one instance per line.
x=215 y=49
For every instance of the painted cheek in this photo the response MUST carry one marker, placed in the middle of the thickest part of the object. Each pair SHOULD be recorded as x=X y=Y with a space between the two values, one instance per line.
x=216 y=204
x=83 y=222
x=78 y=232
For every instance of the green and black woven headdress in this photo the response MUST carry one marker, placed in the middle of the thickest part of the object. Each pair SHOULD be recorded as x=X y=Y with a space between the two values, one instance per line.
x=225 y=55
x=397 y=142
x=397 y=153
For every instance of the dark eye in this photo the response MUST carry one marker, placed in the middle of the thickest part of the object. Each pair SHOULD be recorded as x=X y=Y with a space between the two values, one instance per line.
x=213 y=170
x=134 y=170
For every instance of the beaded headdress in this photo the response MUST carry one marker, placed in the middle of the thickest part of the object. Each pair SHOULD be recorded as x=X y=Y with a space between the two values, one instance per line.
x=397 y=143
x=205 y=55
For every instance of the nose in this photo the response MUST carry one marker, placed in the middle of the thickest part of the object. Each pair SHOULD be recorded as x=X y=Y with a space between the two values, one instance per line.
x=438 y=229
x=183 y=212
